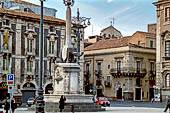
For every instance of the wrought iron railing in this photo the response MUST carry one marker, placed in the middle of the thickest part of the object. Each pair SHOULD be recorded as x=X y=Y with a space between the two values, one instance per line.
x=127 y=70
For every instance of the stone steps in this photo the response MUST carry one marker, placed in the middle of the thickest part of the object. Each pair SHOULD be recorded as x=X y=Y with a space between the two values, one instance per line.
x=78 y=107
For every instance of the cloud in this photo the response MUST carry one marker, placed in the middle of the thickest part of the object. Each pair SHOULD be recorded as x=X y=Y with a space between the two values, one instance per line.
x=92 y=30
x=109 y=1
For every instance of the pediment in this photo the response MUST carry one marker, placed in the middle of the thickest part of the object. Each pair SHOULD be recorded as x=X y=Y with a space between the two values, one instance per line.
x=165 y=35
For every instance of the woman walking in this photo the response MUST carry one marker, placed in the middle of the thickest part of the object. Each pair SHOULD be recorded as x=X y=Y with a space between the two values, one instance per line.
x=167 y=105
x=61 y=103
x=13 y=105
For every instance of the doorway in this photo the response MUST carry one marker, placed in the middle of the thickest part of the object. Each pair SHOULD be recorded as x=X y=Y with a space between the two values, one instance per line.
x=119 y=93
x=138 y=94
x=151 y=93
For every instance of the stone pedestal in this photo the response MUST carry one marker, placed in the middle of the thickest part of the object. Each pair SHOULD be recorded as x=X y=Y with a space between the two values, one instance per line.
x=66 y=80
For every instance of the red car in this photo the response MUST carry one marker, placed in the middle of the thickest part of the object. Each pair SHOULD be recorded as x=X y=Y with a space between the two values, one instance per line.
x=103 y=101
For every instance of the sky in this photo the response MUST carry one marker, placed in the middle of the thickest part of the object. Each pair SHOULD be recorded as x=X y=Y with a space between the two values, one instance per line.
x=129 y=15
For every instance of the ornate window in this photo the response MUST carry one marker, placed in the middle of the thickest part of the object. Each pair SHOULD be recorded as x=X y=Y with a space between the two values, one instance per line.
x=6 y=42
x=151 y=44
x=108 y=80
x=6 y=22
x=88 y=67
x=99 y=67
x=118 y=65
x=30 y=66
x=30 y=26
x=167 y=48
x=52 y=29
x=167 y=80
x=30 y=45
x=167 y=14
x=5 y=65
x=51 y=47
x=152 y=66
x=138 y=65
x=108 y=66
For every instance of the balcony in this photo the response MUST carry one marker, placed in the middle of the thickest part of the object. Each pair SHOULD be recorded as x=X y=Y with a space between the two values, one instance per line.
x=98 y=81
x=98 y=72
x=152 y=73
x=128 y=72
x=108 y=84
x=30 y=53
x=87 y=74
x=30 y=72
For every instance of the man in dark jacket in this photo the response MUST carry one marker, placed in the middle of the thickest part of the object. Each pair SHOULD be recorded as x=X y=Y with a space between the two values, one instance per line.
x=167 y=105
x=7 y=105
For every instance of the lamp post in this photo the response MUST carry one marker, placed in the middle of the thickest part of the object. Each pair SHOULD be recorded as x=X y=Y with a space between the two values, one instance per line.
x=40 y=102
x=79 y=20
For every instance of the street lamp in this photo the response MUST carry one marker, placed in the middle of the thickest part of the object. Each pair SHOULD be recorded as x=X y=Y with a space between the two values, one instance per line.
x=79 y=20
x=68 y=2
x=40 y=100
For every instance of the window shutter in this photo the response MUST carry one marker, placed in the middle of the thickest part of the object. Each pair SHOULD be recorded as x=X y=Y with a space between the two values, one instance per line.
x=14 y=39
x=58 y=42
x=0 y=44
x=166 y=9
x=23 y=29
x=13 y=66
x=45 y=42
x=36 y=66
x=22 y=66
x=37 y=42
x=45 y=68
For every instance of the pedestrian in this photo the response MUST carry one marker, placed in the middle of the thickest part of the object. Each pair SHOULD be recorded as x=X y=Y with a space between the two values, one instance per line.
x=95 y=99
x=167 y=105
x=13 y=105
x=7 y=105
x=152 y=100
x=62 y=103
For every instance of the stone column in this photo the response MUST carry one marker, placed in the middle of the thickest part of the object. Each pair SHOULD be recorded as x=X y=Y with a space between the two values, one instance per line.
x=158 y=55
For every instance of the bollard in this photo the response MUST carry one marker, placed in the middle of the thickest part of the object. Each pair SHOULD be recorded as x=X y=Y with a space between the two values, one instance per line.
x=72 y=108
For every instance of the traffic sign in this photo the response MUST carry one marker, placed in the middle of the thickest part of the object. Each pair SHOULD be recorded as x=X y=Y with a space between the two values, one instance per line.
x=10 y=89
x=10 y=79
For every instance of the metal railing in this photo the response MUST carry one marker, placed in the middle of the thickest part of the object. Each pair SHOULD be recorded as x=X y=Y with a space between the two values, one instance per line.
x=128 y=70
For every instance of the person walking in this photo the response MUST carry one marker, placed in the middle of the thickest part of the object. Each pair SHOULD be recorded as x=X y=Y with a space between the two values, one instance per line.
x=167 y=105
x=7 y=105
x=62 y=103
x=13 y=105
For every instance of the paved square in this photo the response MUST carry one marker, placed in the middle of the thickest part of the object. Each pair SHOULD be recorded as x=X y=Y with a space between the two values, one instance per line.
x=110 y=110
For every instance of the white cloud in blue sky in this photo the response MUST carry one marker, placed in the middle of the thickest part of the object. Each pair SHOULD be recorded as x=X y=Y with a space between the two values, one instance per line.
x=109 y=1
x=130 y=15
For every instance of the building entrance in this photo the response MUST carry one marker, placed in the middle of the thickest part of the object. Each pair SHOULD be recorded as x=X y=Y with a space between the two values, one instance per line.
x=28 y=91
x=138 y=94
x=119 y=93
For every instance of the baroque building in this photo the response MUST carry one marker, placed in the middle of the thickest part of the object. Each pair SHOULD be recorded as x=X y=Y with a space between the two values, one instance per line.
x=19 y=50
x=163 y=48
x=122 y=68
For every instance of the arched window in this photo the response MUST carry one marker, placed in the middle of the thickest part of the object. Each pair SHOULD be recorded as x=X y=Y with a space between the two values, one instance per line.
x=167 y=80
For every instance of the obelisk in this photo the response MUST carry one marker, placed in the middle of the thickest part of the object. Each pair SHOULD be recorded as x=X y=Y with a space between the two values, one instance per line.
x=68 y=47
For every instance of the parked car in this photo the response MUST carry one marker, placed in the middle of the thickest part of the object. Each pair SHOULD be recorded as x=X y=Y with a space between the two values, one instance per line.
x=2 y=103
x=31 y=101
x=157 y=98
x=103 y=101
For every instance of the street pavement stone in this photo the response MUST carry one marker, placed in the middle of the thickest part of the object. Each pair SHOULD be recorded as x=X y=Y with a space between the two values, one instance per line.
x=108 y=110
